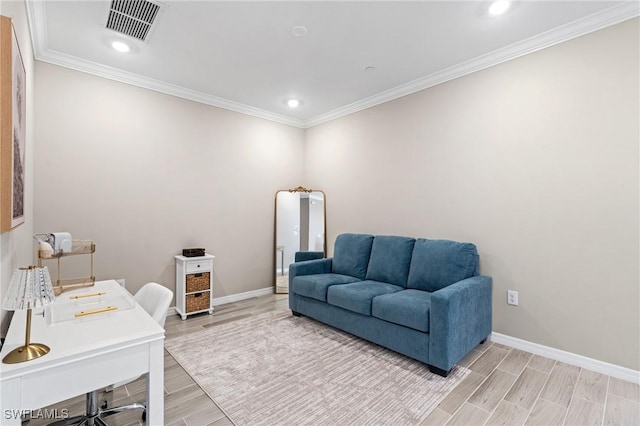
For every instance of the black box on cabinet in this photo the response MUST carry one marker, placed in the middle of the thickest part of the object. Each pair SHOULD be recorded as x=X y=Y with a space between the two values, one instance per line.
x=193 y=252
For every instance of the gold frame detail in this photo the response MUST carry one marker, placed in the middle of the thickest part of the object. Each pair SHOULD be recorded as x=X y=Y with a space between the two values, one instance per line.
x=301 y=189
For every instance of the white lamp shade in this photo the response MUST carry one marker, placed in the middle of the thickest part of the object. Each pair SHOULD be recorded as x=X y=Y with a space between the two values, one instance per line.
x=29 y=288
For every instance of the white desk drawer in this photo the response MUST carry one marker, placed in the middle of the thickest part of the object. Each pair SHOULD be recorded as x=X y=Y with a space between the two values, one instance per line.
x=199 y=266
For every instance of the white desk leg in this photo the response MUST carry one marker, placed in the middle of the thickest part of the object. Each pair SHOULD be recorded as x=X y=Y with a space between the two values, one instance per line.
x=10 y=403
x=155 y=385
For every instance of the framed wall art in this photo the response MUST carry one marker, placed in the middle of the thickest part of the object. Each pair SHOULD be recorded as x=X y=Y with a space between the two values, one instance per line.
x=13 y=129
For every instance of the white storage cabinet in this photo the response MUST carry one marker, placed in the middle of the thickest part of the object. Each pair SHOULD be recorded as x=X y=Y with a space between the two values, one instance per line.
x=194 y=285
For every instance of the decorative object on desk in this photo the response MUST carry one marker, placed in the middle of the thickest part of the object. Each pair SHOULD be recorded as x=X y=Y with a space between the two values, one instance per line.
x=88 y=304
x=95 y=311
x=59 y=244
x=29 y=288
x=82 y=296
x=12 y=128
x=193 y=252
x=45 y=251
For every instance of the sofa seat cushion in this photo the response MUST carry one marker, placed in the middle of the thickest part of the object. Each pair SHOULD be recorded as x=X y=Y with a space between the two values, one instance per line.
x=356 y=297
x=409 y=308
x=315 y=286
x=390 y=259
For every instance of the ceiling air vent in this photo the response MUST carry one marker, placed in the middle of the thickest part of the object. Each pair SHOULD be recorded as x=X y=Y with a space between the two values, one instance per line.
x=132 y=17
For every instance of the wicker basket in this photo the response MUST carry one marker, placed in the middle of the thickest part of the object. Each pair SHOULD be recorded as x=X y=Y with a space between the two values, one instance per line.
x=197 y=282
x=197 y=301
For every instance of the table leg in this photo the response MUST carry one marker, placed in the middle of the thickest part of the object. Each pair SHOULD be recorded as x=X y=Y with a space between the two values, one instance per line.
x=155 y=384
x=10 y=402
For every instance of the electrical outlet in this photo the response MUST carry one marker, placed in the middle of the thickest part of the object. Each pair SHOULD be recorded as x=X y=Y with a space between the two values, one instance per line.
x=512 y=297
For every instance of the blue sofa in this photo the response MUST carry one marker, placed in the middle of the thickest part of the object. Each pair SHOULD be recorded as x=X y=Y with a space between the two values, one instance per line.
x=421 y=298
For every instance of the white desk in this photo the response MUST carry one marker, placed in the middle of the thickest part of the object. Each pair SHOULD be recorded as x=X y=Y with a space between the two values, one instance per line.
x=87 y=354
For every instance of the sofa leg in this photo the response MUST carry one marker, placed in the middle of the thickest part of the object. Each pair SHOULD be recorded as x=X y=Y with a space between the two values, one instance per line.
x=296 y=314
x=438 y=371
x=483 y=341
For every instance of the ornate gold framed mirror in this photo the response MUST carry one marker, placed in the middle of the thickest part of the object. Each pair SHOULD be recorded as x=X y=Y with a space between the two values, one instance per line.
x=299 y=231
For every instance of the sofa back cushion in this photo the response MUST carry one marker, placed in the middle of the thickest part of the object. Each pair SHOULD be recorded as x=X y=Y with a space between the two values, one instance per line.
x=436 y=264
x=351 y=255
x=390 y=259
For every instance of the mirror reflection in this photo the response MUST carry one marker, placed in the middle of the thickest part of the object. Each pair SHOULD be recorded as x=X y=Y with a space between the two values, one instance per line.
x=300 y=221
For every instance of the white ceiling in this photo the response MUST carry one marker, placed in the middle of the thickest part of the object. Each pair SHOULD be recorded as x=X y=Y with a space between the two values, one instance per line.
x=242 y=55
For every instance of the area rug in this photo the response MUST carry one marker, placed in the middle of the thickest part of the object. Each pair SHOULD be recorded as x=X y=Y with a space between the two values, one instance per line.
x=276 y=369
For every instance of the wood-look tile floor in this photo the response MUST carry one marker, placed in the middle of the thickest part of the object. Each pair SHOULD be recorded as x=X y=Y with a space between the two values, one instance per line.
x=506 y=386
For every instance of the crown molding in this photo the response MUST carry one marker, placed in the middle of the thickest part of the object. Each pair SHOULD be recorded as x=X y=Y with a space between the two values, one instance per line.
x=37 y=25
x=595 y=22
x=36 y=13
x=100 y=70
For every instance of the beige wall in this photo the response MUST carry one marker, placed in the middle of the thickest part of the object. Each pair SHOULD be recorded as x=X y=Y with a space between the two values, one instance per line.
x=145 y=174
x=16 y=247
x=536 y=162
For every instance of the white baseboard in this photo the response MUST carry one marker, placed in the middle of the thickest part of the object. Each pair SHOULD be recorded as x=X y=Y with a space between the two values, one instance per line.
x=232 y=298
x=568 y=357
x=242 y=296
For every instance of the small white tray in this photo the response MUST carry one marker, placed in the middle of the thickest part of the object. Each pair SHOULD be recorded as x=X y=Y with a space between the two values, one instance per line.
x=86 y=306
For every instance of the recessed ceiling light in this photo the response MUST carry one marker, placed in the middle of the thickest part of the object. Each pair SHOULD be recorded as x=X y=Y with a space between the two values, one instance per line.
x=120 y=46
x=299 y=31
x=499 y=7
x=293 y=103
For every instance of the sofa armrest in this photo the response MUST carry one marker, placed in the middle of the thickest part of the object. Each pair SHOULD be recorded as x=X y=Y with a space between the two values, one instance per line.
x=303 y=256
x=460 y=319
x=309 y=267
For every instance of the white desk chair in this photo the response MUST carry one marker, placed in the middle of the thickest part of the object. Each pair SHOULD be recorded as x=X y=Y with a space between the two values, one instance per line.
x=155 y=300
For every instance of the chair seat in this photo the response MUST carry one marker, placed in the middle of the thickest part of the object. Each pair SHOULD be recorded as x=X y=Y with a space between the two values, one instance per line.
x=357 y=297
